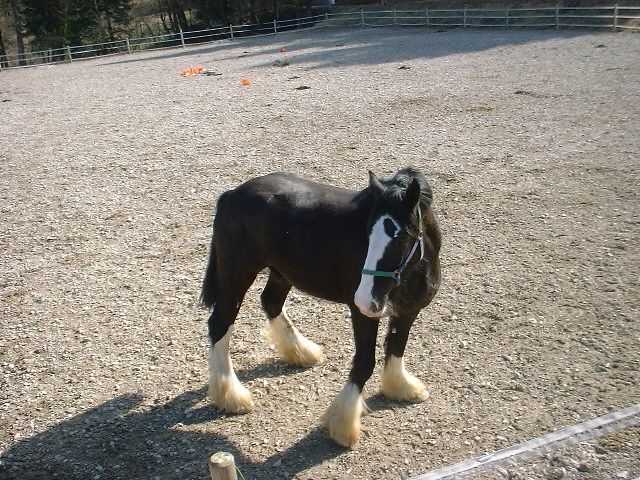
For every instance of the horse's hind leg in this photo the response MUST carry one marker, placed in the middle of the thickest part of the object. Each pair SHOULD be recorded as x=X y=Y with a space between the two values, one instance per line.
x=292 y=345
x=225 y=390
x=397 y=383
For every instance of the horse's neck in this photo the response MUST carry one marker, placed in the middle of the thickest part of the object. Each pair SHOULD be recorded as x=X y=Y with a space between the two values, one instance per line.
x=431 y=229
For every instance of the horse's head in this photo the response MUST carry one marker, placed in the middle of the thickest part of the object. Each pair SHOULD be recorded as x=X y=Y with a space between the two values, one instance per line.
x=395 y=235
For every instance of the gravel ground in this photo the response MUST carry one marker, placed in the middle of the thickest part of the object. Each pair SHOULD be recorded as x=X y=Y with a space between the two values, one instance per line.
x=110 y=169
x=612 y=457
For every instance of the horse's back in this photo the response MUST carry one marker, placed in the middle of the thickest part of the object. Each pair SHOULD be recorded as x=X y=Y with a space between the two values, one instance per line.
x=295 y=225
x=293 y=189
x=279 y=197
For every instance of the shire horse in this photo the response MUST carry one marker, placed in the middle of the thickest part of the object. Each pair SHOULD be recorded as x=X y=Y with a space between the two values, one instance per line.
x=375 y=250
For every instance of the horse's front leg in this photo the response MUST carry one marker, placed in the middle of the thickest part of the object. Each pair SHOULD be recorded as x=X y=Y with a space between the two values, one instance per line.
x=397 y=383
x=342 y=418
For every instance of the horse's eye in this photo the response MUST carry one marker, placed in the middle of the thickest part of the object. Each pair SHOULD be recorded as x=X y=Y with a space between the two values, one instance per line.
x=390 y=228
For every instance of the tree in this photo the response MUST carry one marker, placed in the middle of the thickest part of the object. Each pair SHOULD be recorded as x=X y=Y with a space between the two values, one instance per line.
x=3 y=53
x=16 y=11
x=114 y=16
x=174 y=10
x=58 y=23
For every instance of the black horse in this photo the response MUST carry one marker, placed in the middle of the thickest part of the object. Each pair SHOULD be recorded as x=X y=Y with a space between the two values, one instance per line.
x=375 y=250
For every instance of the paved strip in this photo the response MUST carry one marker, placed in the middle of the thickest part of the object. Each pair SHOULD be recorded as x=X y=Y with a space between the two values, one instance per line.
x=537 y=447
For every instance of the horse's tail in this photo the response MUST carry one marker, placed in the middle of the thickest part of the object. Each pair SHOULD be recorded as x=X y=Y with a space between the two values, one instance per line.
x=209 y=293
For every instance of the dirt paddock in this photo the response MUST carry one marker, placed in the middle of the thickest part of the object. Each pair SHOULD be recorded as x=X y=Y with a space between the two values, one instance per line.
x=110 y=170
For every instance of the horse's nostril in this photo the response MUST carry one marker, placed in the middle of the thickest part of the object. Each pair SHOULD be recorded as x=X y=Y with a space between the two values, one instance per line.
x=373 y=309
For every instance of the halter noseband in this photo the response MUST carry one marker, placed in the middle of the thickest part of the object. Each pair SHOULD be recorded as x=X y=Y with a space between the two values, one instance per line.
x=396 y=273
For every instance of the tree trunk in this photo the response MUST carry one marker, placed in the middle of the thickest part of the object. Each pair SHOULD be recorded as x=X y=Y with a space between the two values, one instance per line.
x=4 y=61
x=112 y=37
x=180 y=16
x=17 y=21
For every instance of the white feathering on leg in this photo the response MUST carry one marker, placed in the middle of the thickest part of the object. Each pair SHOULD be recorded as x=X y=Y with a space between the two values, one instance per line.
x=295 y=348
x=225 y=390
x=342 y=418
x=398 y=384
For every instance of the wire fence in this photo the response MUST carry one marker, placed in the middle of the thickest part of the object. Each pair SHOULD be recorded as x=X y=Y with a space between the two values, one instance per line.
x=615 y=18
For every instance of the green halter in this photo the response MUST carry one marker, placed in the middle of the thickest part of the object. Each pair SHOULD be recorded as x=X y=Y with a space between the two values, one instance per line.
x=398 y=272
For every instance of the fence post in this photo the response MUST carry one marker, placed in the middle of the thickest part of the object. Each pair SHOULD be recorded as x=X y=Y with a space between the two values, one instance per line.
x=506 y=20
x=615 y=18
x=275 y=26
x=128 y=46
x=182 y=38
x=231 y=30
x=464 y=18
x=69 y=54
x=326 y=16
x=362 y=17
x=395 y=16
x=426 y=15
x=222 y=466
x=557 y=17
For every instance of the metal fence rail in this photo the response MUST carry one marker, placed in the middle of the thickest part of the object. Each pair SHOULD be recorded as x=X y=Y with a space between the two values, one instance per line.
x=616 y=18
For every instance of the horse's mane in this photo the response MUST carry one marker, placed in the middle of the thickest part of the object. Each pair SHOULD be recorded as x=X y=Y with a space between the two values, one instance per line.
x=396 y=186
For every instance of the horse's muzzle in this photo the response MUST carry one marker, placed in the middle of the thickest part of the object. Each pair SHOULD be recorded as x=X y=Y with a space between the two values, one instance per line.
x=372 y=309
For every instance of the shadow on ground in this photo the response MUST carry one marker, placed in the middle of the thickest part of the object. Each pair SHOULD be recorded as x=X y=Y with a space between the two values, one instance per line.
x=332 y=48
x=120 y=440
x=125 y=439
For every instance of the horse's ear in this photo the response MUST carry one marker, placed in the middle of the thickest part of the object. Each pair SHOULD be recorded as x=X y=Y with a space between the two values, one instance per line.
x=413 y=195
x=375 y=184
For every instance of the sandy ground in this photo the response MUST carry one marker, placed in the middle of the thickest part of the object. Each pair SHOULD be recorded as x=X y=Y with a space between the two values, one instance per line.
x=110 y=170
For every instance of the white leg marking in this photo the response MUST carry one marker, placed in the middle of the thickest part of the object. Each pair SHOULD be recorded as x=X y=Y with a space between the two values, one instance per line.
x=398 y=384
x=225 y=390
x=378 y=242
x=342 y=418
x=292 y=345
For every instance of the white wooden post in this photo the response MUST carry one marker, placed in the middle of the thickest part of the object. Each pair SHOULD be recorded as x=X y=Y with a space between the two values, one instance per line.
x=506 y=20
x=615 y=17
x=222 y=466
x=231 y=30
x=395 y=16
x=464 y=18
x=326 y=16
x=362 y=17
x=69 y=53
x=426 y=15
x=182 y=38
x=275 y=26
x=557 y=17
x=128 y=46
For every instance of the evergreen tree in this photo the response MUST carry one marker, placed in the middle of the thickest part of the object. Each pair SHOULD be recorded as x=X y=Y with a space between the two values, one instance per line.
x=57 y=23
x=17 y=13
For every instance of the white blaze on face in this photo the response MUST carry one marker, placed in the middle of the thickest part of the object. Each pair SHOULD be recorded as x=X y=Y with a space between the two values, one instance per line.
x=378 y=242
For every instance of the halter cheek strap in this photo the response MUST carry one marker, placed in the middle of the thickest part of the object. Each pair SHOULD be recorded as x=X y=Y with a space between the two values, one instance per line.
x=398 y=272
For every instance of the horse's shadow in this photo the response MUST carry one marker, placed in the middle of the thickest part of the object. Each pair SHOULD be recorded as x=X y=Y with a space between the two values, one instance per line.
x=268 y=369
x=124 y=439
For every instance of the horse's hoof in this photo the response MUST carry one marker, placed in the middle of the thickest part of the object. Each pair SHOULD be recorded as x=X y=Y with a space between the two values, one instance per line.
x=230 y=397
x=303 y=353
x=342 y=418
x=294 y=347
x=400 y=385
